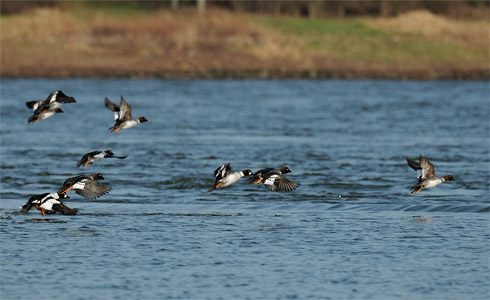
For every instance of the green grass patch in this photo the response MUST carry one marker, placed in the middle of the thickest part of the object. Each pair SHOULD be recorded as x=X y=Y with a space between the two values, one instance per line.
x=351 y=40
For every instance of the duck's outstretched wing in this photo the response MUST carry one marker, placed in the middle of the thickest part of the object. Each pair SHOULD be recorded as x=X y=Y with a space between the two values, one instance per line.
x=219 y=174
x=427 y=168
x=413 y=164
x=71 y=183
x=279 y=183
x=222 y=171
x=120 y=157
x=125 y=110
x=34 y=104
x=113 y=107
x=60 y=98
x=92 y=189
x=64 y=210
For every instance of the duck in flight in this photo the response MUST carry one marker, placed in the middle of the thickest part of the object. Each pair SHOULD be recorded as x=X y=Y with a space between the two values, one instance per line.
x=86 y=186
x=122 y=115
x=274 y=179
x=49 y=107
x=48 y=203
x=96 y=155
x=427 y=178
x=225 y=176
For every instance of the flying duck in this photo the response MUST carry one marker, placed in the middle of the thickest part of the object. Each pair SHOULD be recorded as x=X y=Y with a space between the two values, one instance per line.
x=122 y=115
x=48 y=203
x=427 y=178
x=274 y=179
x=86 y=186
x=96 y=155
x=225 y=176
x=49 y=107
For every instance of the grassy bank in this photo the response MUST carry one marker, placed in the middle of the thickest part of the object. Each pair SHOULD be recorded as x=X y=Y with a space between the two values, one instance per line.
x=110 y=41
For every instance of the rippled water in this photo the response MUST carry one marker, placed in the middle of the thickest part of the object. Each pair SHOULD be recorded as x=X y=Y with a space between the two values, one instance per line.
x=351 y=230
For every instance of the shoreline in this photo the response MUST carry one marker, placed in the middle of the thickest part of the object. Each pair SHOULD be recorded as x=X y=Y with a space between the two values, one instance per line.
x=86 y=42
x=418 y=74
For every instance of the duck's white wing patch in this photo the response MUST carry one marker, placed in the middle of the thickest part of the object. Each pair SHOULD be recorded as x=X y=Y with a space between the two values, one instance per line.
x=113 y=107
x=37 y=201
x=34 y=105
x=270 y=182
x=220 y=172
x=226 y=170
x=52 y=97
x=80 y=185
x=271 y=179
x=278 y=182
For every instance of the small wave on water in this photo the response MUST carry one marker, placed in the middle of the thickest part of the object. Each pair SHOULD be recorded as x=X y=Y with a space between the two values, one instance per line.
x=415 y=208
x=45 y=220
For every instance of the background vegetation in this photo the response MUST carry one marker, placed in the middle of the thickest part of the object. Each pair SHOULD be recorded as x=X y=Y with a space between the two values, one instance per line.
x=240 y=39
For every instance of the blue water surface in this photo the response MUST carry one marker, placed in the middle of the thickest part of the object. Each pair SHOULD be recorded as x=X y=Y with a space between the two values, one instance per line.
x=352 y=230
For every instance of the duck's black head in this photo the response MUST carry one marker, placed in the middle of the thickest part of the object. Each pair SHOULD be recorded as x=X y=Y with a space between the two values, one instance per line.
x=247 y=172
x=63 y=196
x=448 y=177
x=97 y=176
x=285 y=170
x=109 y=152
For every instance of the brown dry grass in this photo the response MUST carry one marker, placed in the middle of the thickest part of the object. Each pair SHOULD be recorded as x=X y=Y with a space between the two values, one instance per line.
x=423 y=22
x=59 y=43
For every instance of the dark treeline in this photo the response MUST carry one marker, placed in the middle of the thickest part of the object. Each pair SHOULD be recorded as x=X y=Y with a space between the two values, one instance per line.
x=305 y=8
x=341 y=9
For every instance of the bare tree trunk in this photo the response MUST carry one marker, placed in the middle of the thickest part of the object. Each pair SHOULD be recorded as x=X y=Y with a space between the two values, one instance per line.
x=453 y=9
x=384 y=8
x=314 y=8
x=201 y=6
x=340 y=9
x=174 y=4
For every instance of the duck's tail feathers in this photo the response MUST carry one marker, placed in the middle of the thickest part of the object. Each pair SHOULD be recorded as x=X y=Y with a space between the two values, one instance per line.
x=415 y=189
x=33 y=119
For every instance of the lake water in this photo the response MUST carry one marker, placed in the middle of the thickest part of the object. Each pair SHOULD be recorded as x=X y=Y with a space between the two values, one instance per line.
x=352 y=230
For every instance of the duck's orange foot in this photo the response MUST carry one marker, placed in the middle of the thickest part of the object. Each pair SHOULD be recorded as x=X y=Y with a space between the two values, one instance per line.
x=218 y=185
x=41 y=210
x=86 y=163
x=258 y=180
x=116 y=129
